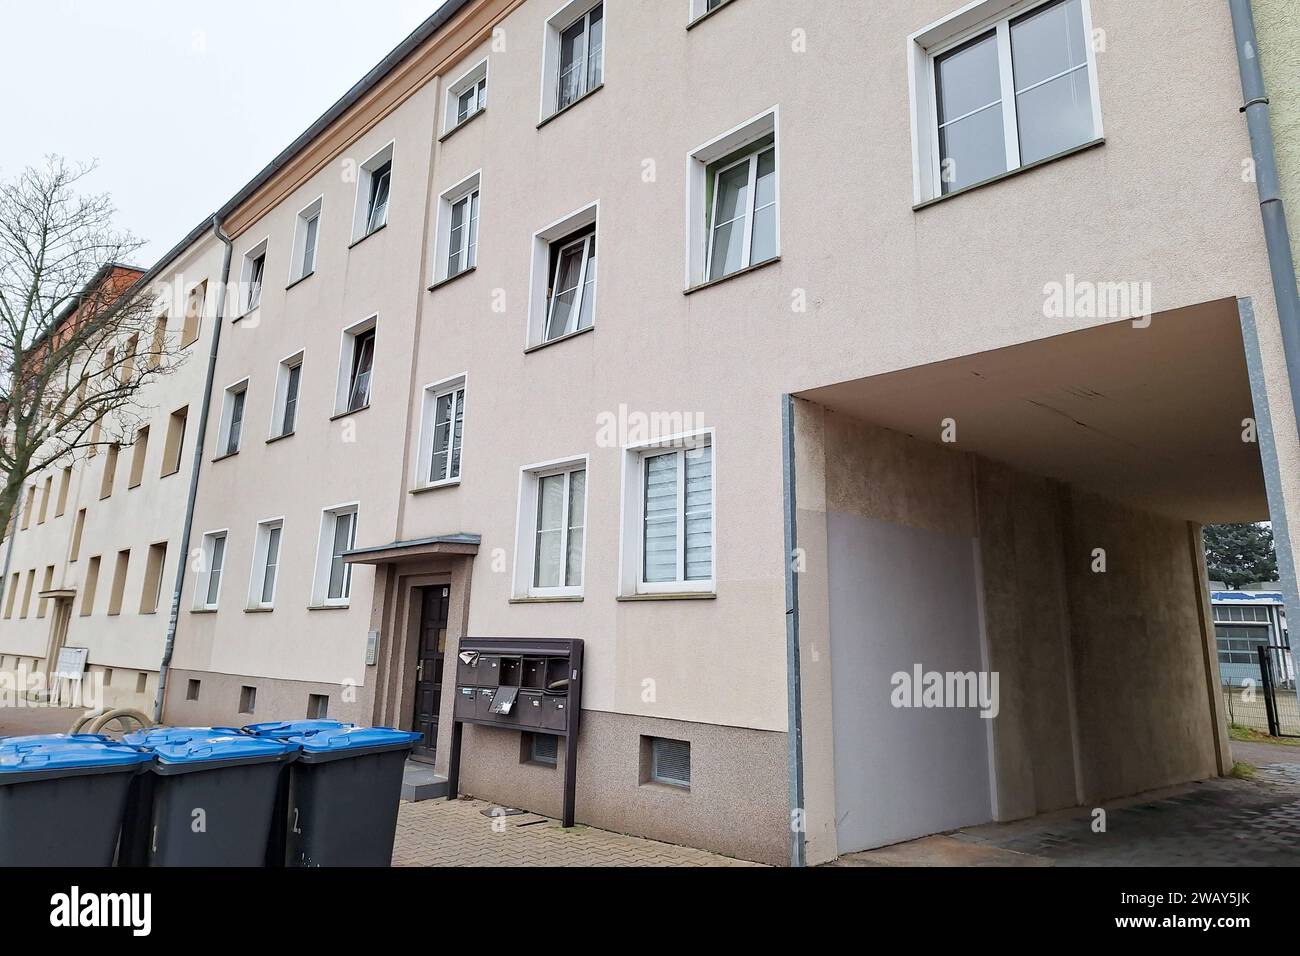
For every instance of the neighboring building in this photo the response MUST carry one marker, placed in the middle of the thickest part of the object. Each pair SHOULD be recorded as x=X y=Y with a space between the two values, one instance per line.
x=97 y=542
x=1244 y=621
x=715 y=334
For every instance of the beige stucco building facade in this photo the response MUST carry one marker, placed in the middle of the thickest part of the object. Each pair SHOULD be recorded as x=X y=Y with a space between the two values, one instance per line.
x=949 y=397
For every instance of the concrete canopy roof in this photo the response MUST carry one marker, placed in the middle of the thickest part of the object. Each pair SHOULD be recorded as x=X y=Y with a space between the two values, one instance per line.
x=1147 y=416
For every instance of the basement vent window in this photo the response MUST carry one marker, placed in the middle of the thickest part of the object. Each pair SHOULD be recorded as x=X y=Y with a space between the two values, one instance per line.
x=670 y=762
x=247 y=699
x=192 y=689
x=545 y=749
x=318 y=706
x=141 y=682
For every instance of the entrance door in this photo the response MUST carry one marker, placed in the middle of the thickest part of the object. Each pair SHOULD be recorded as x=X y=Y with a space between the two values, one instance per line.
x=428 y=666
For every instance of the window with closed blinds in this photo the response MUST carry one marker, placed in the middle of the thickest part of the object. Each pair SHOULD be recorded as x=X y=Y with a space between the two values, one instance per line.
x=677 y=523
x=670 y=762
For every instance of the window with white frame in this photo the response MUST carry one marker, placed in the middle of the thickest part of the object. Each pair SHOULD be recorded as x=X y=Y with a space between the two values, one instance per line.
x=338 y=531
x=232 y=419
x=998 y=86
x=668 y=536
x=305 y=235
x=552 y=529
x=700 y=7
x=733 y=193
x=254 y=272
x=208 y=591
x=458 y=210
x=374 y=187
x=266 y=563
x=356 y=367
x=574 y=54
x=442 y=432
x=288 y=380
x=466 y=97
x=563 y=296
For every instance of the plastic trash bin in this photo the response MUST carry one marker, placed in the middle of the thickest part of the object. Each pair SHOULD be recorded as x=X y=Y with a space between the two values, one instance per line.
x=207 y=800
x=344 y=790
x=62 y=798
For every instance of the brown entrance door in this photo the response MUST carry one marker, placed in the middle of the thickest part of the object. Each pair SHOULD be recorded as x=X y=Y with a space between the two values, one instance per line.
x=429 y=666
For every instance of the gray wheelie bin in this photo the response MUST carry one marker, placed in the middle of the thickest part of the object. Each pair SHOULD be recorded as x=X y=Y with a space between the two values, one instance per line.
x=62 y=798
x=344 y=790
x=208 y=799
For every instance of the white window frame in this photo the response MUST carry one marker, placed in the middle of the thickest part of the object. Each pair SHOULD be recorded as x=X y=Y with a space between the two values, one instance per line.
x=325 y=555
x=555 y=25
x=470 y=79
x=525 y=568
x=227 y=419
x=541 y=277
x=938 y=38
x=204 y=575
x=249 y=304
x=699 y=221
x=467 y=187
x=632 y=508
x=257 y=572
x=297 y=263
x=283 y=370
x=361 y=214
x=347 y=350
x=428 y=418
x=698 y=8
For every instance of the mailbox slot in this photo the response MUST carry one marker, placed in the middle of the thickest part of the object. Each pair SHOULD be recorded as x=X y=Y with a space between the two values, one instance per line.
x=555 y=712
x=511 y=671
x=465 y=702
x=483 y=705
x=530 y=708
x=534 y=677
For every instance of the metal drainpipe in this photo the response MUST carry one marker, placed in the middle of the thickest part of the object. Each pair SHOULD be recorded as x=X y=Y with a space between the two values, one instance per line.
x=200 y=440
x=794 y=690
x=1276 y=236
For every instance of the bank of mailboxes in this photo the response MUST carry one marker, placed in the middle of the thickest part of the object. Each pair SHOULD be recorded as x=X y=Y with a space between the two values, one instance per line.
x=507 y=691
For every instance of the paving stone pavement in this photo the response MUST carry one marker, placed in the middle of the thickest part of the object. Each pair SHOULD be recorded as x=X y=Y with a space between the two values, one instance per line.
x=456 y=833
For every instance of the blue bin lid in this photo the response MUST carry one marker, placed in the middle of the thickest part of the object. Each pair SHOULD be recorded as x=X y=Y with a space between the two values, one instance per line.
x=44 y=752
x=351 y=737
x=284 y=729
x=174 y=745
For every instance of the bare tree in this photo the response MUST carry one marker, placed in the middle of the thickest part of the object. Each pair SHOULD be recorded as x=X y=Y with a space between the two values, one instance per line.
x=79 y=338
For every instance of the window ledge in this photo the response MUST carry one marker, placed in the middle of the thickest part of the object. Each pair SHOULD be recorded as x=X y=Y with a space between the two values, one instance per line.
x=461 y=125
x=1082 y=147
x=275 y=438
x=666 y=787
x=168 y=474
x=558 y=599
x=299 y=280
x=258 y=610
x=203 y=610
x=375 y=231
x=672 y=596
x=243 y=315
x=558 y=339
x=560 y=112
x=355 y=411
x=328 y=607
x=708 y=13
x=732 y=275
x=128 y=488
x=436 y=486
x=230 y=454
x=442 y=282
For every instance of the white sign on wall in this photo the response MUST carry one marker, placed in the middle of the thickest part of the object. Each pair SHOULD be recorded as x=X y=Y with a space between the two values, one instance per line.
x=72 y=662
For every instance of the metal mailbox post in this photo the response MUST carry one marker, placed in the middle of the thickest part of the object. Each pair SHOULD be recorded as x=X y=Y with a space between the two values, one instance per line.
x=519 y=683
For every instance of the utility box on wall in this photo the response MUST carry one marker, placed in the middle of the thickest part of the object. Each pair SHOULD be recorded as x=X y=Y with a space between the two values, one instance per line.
x=525 y=684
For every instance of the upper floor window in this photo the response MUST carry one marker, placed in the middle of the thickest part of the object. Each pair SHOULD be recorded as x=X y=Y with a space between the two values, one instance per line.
x=575 y=54
x=194 y=302
x=996 y=95
x=668 y=532
x=253 y=274
x=374 y=187
x=232 y=419
x=442 y=432
x=458 y=236
x=208 y=592
x=466 y=97
x=266 y=564
x=288 y=380
x=304 y=242
x=333 y=573
x=564 y=270
x=552 y=529
x=734 y=200
x=356 y=367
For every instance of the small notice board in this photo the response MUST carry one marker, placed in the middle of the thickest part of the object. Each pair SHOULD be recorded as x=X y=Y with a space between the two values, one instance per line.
x=72 y=662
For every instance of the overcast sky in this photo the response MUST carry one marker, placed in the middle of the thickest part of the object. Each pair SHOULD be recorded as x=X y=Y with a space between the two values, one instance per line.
x=180 y=101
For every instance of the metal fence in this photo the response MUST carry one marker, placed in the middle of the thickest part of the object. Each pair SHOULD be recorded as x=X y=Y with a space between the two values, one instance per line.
x=1264 y=701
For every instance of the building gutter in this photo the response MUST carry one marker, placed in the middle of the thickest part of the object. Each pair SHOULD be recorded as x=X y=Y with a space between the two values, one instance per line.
x=794 y=692
x=1276 y=235
x=200 y=441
